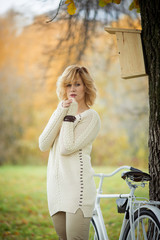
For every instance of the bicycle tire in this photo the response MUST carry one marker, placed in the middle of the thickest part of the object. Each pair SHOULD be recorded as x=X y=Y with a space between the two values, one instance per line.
x=93 y=231
x=146 y=225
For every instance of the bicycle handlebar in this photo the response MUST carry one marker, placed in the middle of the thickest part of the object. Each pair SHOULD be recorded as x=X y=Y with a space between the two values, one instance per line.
x=102 y=175
x=114 y=172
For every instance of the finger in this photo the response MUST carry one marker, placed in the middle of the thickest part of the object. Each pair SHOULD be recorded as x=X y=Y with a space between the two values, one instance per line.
x=66 y=103
x=70 y=100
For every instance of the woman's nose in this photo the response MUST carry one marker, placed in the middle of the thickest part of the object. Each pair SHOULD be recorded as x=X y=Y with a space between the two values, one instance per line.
x=72 y=87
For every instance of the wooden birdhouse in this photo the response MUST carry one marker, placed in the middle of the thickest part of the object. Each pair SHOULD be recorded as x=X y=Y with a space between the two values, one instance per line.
x=130 y=52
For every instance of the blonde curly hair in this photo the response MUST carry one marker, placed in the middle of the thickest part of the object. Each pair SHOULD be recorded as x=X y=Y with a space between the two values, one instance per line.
x=69 y=76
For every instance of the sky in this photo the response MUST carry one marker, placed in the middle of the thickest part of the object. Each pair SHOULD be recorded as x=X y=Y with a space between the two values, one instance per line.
x=28 y=7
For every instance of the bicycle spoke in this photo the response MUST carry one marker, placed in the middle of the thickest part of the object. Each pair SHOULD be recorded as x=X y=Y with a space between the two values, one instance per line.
x=143 y=229
x=146 y=225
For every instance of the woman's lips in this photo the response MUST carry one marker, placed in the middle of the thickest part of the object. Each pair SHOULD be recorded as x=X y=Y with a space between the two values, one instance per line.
x=73 y=95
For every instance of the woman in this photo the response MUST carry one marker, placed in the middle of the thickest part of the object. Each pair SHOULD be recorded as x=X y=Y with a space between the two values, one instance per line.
x=69 y=135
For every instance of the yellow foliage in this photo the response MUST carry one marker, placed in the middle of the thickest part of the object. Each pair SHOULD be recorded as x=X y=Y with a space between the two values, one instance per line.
x=141 y=154
x=103 y=3
x=71 y=9
x=117 y=1
x=108 y=1
x=30 y=132
x=131 y=7
x=134 y=5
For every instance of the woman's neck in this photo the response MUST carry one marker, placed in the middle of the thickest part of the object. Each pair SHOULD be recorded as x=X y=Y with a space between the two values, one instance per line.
x=82 y=107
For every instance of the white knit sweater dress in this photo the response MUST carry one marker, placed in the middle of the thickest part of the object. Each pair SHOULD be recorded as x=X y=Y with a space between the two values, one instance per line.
x=70 y=183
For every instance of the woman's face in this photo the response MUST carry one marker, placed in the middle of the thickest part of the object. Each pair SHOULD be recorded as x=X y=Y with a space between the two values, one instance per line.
x=76 y=90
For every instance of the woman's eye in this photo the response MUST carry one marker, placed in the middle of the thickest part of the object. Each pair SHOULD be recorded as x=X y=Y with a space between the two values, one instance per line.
x=68 y=85
x=77 y=84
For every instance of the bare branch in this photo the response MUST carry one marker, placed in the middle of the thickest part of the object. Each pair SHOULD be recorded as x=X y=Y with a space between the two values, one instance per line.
x=60 y=4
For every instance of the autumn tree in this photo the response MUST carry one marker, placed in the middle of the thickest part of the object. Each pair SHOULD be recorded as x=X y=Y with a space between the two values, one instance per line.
x=81 y=26
x=89 y=12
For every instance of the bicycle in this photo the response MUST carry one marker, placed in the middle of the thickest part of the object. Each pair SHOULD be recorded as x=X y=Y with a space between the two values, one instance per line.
x=141 y=217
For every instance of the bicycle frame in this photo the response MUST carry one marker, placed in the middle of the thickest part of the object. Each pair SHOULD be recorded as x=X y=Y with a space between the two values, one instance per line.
x=131 y=205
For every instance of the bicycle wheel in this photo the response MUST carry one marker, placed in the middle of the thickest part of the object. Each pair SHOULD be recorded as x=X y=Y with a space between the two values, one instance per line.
x=146 y=225
x=93 y=232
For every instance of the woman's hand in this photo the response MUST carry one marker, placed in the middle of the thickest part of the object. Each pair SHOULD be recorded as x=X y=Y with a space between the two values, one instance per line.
x=67 y=103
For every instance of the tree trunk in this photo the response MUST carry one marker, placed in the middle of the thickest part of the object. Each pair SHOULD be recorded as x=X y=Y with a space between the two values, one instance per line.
x=150 y=18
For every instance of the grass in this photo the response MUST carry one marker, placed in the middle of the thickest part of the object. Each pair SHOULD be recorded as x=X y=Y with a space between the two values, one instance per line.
x=23 y=204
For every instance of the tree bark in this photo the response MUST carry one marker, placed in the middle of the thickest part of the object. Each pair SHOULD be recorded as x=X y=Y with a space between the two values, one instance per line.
x=150 y=18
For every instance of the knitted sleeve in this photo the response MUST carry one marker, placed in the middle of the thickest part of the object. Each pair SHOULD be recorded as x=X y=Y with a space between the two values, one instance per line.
x=72 y=139
x=52 y=128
